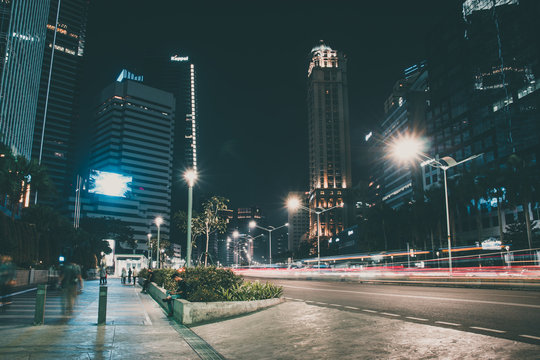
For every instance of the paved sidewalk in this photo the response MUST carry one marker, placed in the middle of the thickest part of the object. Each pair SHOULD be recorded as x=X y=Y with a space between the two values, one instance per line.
x=137 y=328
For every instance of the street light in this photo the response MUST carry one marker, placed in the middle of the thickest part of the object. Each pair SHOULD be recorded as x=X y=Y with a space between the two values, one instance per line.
x=190 y=176
x=158 y=220
x=294 y=204
x=149 y=252
x=408 y=148
x=253 y=224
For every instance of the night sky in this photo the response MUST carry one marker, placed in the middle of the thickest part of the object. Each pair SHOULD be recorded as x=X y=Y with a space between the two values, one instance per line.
x=251 y=60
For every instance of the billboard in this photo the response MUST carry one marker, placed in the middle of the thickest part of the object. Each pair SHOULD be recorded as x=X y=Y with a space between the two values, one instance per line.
x=108 y=183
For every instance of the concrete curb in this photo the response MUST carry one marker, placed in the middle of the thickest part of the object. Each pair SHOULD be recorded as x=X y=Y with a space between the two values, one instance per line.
x=191 y=313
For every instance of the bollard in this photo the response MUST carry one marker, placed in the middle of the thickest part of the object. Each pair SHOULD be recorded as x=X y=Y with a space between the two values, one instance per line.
x=39 y=315
x=102 y=307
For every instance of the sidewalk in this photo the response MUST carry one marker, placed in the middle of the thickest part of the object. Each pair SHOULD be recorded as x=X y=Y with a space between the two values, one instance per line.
x=136 y=328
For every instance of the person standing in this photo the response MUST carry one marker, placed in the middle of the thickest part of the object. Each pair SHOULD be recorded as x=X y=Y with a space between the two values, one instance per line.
x=7 y=276
x=134 y=276
x=123 y=275
x=102 y=274
x=129 y=275
x=147 y=281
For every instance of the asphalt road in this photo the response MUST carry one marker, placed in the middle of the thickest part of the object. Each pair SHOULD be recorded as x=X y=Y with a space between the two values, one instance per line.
x=508 y=314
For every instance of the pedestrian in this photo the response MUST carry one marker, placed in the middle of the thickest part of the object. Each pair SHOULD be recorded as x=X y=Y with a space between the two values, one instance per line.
x=134 y=276
x=123 y=275
x=129 y=275
x=70 y=280
x=7 y=280
x=147 y=281
x=102 y=274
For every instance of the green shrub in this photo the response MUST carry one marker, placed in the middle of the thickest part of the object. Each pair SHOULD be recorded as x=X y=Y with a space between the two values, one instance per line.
x=205 y=283
x=165 y=278
x=143 y=273
x=252 y=291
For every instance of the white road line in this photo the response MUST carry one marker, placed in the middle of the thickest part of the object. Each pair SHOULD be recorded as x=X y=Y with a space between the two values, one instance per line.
x=320 y=303
x=389 y=314
x=18 y=293
x=437 y=298
x=335 y=305
x=369 y=311
x=415 y=318
x=486 y=329
x=447 y=323
x=351 y=307
x=530 y=337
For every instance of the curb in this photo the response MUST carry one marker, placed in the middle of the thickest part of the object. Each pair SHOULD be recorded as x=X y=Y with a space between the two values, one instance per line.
x=192 y=313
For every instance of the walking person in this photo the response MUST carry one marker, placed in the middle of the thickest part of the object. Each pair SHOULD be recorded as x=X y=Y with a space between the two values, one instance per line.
x=123 y=275
x=70 y=279
x=129 y=275
x=7 y=280
x=134 y=276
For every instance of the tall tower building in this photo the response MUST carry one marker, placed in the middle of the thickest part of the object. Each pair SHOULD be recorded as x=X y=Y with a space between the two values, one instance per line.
x=298 y=220
x=133 y=142
x=329 y=143
x=58 y=101
x=22 y=39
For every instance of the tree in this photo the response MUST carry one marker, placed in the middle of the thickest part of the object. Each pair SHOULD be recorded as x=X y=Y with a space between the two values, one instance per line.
x=197 y=225
x=97 y=230
x=212 y=220
x=522 y=187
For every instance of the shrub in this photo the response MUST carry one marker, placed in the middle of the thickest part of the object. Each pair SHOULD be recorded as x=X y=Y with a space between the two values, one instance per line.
x=143 y=273
x=252 y=291
x=165 y=278
x=205 y=283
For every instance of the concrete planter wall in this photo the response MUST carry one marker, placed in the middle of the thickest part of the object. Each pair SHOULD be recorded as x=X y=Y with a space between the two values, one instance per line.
x=190 y=313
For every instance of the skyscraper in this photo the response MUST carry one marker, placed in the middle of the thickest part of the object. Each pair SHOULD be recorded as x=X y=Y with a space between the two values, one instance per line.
x=133 y=141
x=298 y=221
x=59 y=96
x=22 y=39
x=329 y=142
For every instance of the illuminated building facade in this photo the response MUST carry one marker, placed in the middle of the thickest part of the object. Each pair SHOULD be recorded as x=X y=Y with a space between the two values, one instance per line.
x=22 y=40
x=404 y=113
x=298 y=221
x=484 y=70
x=134 y=138
x=55 y=146
x=329 y=142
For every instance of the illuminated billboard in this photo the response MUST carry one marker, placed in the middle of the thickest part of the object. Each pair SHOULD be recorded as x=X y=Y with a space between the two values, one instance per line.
x=108 y=183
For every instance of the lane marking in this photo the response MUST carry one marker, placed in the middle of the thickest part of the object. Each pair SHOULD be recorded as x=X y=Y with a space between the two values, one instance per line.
x=335 y=305
x=447 y=323
x=18 y=293
x=416 y=297
x=351 y=307
x=486 y=329
x=320 y=303
x=370 y=311
x=530 y=337
x=389 y=314
x=415 y=318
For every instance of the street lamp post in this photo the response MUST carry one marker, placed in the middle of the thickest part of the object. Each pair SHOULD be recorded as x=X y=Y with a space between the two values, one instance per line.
x=294 y=203
x=270 y=229
x=190 y=176
x=149 y=251
x=158 y=221
x=409 y=148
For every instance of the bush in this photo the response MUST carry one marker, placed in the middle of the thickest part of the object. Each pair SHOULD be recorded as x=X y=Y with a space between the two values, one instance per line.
x=207 y=284
x=143 y=273
x=252 y=291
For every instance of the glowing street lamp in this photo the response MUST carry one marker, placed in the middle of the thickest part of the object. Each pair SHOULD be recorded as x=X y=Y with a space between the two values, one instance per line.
x=408 y=149
x=190 y=176
x=294 y=204
x=158 y=221
x=253 y=224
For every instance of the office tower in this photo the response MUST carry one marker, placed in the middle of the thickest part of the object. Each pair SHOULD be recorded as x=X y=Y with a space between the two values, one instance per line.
x=298 y=221
x=176 y=74
x=484 y=90
x=404 y=114
x=22 y=39
x=132 y=152
x=58 y=102
x=329 y=143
